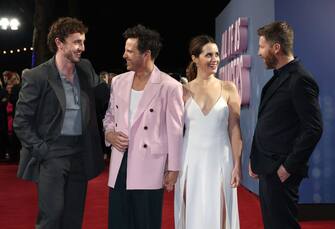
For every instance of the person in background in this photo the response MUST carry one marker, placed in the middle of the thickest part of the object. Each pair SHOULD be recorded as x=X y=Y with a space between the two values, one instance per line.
x=111 y=75
x=13 y=87
x=104 y=76
x=102 y=93
x=4 y=77
x=3 y=122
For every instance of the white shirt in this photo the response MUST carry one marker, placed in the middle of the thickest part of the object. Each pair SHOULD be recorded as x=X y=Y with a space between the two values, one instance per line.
x=135 y=97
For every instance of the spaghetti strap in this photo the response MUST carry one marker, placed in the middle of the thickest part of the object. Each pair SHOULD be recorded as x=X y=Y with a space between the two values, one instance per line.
x=186 y=93
x=221 y=88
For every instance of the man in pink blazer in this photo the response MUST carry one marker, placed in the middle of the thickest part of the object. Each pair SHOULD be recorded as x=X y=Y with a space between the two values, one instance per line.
x=144 y=125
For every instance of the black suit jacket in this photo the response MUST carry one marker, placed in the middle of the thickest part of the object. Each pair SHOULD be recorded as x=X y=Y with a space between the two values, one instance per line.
x=102 y=95
x=40 y=112
x=289 y=122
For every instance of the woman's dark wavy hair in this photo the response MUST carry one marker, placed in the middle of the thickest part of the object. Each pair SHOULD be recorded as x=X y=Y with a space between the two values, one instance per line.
x=195 y=49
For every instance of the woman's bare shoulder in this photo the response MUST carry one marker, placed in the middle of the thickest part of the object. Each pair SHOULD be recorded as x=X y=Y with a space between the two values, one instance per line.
x=187 y=93
x=228 y=85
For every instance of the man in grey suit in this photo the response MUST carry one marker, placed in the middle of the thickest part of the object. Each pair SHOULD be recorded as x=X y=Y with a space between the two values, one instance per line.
x=55 y=121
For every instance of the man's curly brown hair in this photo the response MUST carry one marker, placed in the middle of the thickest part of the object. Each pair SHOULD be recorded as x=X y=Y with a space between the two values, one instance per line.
x=62 y=28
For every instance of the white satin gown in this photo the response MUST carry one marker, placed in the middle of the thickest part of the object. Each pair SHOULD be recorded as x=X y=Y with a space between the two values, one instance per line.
x=203 y=194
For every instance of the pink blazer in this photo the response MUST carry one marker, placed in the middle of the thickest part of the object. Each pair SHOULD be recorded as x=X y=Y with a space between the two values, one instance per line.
x=155 y=136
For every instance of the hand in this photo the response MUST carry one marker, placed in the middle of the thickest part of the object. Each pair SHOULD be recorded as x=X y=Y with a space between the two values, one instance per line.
x=118 y=140
x=236 y=177
x=170 y=179
x=251 y=173
x=282 y=173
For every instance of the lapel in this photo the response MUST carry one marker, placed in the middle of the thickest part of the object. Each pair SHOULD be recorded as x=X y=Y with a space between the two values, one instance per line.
x=56 y=82
x=270 y=91
x=150 y=90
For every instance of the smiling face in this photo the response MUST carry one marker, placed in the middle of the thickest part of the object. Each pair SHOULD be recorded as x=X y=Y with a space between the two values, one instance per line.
x=72 y=47
x=208 y=60
x=132 y=55
x=266 y=51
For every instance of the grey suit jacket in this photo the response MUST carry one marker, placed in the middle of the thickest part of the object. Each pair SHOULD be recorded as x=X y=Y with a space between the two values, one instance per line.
x=40 y=112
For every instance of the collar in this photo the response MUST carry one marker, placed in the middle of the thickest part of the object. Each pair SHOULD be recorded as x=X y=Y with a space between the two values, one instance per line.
x=285 y=68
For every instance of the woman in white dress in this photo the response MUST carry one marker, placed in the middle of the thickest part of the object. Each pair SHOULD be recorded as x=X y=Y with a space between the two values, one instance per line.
x=206 y=190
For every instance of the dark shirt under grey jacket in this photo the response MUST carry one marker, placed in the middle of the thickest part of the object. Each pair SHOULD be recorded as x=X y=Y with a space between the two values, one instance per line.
x=72 y=117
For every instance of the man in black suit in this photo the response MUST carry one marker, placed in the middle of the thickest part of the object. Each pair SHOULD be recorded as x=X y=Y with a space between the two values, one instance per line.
x=288 y=128
x=102 y=94
x=56 y=123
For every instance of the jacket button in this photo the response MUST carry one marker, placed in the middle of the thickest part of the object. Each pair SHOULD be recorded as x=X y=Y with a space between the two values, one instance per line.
x=151 y=110
x=145 y=127
x=145 y=146
x=115 y=124
x=117 y=107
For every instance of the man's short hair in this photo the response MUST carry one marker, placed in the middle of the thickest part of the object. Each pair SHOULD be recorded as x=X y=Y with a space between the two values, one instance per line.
x=147 y=39
x=62 y=28
x=279 y=32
